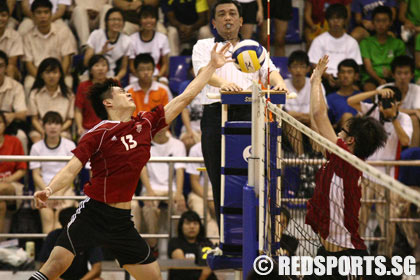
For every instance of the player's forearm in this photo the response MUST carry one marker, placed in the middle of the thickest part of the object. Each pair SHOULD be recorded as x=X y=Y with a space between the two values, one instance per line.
x=175 y=107
x=65 y=176
x=317 y=103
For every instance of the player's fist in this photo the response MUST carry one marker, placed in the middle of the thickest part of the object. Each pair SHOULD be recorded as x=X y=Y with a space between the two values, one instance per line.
x=41 y=198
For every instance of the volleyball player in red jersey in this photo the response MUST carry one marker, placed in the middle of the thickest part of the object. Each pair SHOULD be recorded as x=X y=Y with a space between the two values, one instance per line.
x=333 y=210
x=118 y=148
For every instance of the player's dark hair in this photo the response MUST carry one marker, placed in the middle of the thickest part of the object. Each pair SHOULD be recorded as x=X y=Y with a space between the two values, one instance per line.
x=143 y=58
x=349 y=63
x=98 y=93
x=108 y=14
x=65 y=215
x=4 y=7
x=382 y=10
x=298 y=56
x=95 y=59
x=369 y=135
x=220 y=2
x=47 y=65
x=336 y=10
x=41 y=3
x=52 y=117
x=3 y=55
x=148 y=11
x=402 y=61
x=191 y=216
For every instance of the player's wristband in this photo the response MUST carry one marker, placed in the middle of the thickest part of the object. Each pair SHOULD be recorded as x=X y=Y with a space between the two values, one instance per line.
x=49 y=189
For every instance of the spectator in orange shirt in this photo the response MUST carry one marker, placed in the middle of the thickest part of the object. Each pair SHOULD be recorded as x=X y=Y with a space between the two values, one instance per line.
x=147 y=93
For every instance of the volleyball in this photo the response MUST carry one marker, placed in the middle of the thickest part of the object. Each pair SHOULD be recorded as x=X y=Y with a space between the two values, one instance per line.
x=249 y=56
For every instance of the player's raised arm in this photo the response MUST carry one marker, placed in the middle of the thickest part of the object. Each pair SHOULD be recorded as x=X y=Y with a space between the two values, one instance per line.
x=63 y=179
x=318 y=107
x=218 y=59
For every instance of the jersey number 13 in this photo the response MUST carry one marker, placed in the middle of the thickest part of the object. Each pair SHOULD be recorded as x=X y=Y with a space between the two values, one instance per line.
x=129 y=142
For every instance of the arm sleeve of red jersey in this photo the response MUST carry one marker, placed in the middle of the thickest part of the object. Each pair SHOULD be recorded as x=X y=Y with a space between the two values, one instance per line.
x=156 y=118
x=87 y=146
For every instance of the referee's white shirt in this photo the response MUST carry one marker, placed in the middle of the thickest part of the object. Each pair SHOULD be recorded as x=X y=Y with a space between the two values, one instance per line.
x=201 y=57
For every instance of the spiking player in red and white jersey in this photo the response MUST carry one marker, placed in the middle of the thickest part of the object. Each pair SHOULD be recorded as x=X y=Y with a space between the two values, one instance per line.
x=333 y=211
x=118 y=149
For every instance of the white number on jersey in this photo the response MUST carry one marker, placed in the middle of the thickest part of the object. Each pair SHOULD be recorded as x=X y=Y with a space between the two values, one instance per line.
x=131 y=142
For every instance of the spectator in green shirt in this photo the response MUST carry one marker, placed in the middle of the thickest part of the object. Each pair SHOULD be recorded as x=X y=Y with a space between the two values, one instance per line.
x=409 y=15
x=379 y=50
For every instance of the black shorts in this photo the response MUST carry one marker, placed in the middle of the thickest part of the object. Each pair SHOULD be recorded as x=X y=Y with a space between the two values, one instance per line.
x=279 y=9
x=249 y=12
x=102 y=225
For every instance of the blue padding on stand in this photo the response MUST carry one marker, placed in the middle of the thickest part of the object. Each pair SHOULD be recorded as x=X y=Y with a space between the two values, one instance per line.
x=233 y=191
x=223 y=262
x=238 y=146
x=233 y=229
x=249 y=252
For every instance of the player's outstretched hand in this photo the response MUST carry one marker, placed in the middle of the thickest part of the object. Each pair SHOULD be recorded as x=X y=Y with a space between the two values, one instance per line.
x=320 y=68
x=219 y=57
x=41 y=198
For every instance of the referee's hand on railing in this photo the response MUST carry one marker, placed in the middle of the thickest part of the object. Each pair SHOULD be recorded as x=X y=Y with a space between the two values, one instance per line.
x=41 y=198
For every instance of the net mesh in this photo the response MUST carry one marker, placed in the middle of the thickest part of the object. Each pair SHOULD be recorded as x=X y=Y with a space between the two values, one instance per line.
x=293 y=153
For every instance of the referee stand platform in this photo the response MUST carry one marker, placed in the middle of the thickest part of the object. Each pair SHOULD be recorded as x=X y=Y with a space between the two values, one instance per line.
x=238 y=220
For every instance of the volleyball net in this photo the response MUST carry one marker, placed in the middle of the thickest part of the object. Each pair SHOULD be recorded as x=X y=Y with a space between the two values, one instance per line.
x=286 y=156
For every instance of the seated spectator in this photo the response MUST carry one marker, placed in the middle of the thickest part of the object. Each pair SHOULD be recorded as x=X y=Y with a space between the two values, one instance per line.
x=379 y=50
x=189 y=244
x=12 y=22
x=50 y=93
x=12 y=101
x=299 y=67
x=147 y=93
x=363 y=13
x=44 y=40
x=84 y=115
x=335 y=43
x=10 y=172
x=58 y=10
x=163 y=145
x=402 y=68
x=281 y=12
x=79 y=268
x=10 y=42
x=399 y=130
x=409 y=16
x=130 y=9
x=252 y=14
x=196 y=197
x=88 y=16
x=338 y=109
x=314 y=17
x=148 y=40
x=43 y=172
x=188 y=22
x=111 y=43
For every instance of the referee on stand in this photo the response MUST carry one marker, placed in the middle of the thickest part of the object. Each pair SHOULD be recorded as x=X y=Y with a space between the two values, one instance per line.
x=227 y=19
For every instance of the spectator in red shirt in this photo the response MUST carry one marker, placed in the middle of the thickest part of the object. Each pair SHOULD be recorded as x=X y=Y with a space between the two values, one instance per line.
x=10 y=172
x=315 y=21
x=84 y=114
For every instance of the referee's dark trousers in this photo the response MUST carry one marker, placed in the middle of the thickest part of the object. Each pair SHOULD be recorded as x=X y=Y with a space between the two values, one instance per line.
x=211 y=126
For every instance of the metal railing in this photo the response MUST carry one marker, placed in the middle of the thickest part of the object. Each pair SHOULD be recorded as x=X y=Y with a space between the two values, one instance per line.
x=170 y=160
